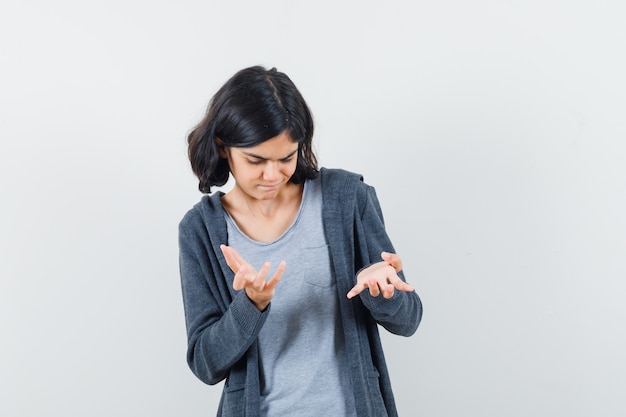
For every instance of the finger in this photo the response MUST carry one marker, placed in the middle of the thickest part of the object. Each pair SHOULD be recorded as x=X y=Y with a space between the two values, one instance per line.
x=392 y=259
x=240 y=281
x=356 y=290
x=388 y=291
x=400 y=285
x=271 y=284
x=403 y=286
x=235 y=255
x=374 y=288
x=259 y=280
x=235 y=261
x=231 y=260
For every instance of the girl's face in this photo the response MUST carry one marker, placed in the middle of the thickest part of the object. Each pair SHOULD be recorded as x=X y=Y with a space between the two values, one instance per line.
x=262 y=171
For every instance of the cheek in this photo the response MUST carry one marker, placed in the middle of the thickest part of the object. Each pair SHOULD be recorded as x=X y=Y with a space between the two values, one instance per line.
x=290 y=169
x=240 y=170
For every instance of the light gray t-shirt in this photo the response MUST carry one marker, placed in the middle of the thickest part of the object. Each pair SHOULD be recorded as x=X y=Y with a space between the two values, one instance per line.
x=303 y=363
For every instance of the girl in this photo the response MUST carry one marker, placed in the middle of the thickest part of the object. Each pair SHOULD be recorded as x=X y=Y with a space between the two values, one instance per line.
x=287 y=276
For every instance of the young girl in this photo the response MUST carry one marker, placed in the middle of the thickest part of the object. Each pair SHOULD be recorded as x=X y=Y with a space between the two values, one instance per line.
x=286 y=277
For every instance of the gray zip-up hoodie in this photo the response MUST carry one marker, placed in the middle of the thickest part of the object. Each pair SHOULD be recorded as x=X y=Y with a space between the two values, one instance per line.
x=223 y=324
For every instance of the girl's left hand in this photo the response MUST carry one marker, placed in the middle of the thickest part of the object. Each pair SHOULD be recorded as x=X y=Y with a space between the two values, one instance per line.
x=381 y=277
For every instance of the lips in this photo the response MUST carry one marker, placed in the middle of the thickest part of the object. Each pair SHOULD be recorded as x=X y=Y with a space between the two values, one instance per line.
x=269 y=186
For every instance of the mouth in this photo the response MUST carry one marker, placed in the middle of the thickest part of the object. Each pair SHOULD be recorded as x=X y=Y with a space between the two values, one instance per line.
x=269 y=186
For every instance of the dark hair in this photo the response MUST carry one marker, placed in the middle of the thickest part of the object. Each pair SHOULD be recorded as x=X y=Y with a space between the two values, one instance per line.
x=251 y=107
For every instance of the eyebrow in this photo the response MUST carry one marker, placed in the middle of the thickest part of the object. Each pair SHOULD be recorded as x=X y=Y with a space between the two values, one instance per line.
x=252 y=155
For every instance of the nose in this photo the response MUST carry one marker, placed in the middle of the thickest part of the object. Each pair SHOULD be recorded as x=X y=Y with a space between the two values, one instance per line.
x=270 y=171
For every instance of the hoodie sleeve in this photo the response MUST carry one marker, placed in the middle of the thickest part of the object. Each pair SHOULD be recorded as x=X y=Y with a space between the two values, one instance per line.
x=402 y=313
x=220 y=328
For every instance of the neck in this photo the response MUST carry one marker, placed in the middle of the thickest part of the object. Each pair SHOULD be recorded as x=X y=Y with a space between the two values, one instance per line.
x=290 y=194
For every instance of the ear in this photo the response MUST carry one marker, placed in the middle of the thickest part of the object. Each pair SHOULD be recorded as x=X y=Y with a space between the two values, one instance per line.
x=221 y=148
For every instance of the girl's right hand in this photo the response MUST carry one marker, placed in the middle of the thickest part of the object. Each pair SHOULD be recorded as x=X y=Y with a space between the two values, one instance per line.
x=258 y=290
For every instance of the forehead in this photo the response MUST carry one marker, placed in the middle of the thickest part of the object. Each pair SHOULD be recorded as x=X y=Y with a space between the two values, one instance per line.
x=277 y=147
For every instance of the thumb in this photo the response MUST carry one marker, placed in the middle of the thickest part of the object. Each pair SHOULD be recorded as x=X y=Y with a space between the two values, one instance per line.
x=392 y=259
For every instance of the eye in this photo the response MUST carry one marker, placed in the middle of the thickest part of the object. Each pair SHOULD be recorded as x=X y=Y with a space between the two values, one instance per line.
x=255 y=162
x=286 y=160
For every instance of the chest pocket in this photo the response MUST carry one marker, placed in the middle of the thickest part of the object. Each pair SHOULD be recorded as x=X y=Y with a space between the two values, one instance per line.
x=316 y=266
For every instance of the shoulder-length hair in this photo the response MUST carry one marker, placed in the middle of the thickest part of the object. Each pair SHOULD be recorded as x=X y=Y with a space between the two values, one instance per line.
x=251 y=107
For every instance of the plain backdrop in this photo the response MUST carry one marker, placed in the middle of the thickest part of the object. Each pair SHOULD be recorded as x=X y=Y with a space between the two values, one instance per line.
x=493 y=131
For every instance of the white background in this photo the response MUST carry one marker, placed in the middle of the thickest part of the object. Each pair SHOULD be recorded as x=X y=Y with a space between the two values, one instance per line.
x=494 y=132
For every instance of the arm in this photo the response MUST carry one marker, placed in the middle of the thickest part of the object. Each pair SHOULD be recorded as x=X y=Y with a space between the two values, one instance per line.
x=398 y=308
x=219 y=330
